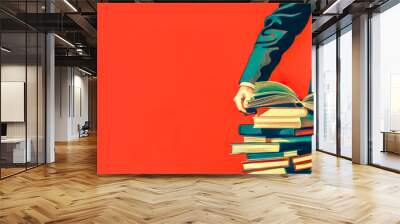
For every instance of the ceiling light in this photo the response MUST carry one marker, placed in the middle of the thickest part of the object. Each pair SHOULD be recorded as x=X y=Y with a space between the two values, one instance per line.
x=79 y=51
x=70 y=5
x=84 y=71
x=329 y=9
x=5 y=50
x=65 y=41
x=337 y=7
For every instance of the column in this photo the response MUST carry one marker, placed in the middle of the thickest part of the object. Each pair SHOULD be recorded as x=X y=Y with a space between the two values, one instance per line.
x=360 y=90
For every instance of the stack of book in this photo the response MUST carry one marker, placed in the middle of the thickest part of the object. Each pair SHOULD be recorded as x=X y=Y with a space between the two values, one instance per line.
x=279 y=139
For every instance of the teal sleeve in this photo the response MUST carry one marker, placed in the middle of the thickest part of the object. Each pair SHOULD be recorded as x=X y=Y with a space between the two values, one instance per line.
x=278 y=34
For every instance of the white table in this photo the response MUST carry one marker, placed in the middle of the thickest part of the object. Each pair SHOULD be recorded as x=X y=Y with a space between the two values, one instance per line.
x=18 y=149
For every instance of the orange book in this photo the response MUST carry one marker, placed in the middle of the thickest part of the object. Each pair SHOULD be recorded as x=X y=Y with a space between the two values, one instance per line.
x=301 y=132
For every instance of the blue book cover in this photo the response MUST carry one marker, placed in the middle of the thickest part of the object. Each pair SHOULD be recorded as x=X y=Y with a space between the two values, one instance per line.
x=266 y=155
x=249 y=130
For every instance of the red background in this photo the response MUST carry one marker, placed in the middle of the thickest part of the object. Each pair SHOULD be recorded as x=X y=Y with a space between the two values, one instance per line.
x=167 y=75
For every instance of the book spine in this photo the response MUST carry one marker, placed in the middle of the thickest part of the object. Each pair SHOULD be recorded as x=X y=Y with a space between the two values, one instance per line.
x=293 y=145
x=249 y=130
x=303 y=165
x=267 y=155
x=266 y=160
x=255 y=156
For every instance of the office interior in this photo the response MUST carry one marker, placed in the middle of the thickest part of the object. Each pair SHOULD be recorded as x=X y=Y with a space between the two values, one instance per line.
x=49 y=87
x=48 y=80
x=334 y=62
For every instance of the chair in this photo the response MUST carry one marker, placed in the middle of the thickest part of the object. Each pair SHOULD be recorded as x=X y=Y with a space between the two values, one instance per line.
x=84 y=130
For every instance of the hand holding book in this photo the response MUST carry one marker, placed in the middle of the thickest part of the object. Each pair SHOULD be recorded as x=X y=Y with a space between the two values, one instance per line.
x=243 y=96
x=279 y=140
x=274 y=94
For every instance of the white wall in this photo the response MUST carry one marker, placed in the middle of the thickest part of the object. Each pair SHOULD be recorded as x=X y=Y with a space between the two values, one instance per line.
x=16 y=73
x=62 y=82
x=34 y=125
x=9 y=73
x=71 y=93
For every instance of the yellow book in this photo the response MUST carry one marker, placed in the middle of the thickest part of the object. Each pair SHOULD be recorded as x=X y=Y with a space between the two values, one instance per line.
x=284 y=122
x=254 y=148
x=300 y=159
x=260 y=119
x=303 y=122
x=265 y=164
x=290 y=153
x=264 y=139
x=303 y=166
x=270 y=171
x=285 y=112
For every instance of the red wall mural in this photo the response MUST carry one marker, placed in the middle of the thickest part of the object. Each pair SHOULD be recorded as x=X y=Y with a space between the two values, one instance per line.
x=167 y=76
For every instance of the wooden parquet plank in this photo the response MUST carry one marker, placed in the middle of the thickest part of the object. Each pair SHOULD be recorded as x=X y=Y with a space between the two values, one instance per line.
x=70 y=191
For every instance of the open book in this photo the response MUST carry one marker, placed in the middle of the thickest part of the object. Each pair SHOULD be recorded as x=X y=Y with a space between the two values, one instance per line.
x=274 y=94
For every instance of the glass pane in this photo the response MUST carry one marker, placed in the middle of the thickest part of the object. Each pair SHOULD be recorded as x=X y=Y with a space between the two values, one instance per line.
x=327 y=96
x=31 y=87
x=41 y=99
x=385 y=84
x=313 y=87
x=22 y=88
x=346 y=94
x=14 y=153
x=32 y=95
x=80 y=101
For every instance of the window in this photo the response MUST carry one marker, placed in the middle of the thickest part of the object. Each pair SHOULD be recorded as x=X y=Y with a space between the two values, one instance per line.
x=327 y=95
x=346 y=92
x=385 y=89
x=22 y=91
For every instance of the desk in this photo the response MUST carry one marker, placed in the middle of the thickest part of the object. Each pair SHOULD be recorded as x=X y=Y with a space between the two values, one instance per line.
x=391 y=141
x=13 y=150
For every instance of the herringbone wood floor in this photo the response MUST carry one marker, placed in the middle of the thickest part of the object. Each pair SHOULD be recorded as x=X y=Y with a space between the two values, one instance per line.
x=69 y=191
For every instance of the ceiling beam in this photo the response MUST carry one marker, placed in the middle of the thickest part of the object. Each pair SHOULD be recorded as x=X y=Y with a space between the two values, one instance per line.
x=79 y=61
x=84 y=24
